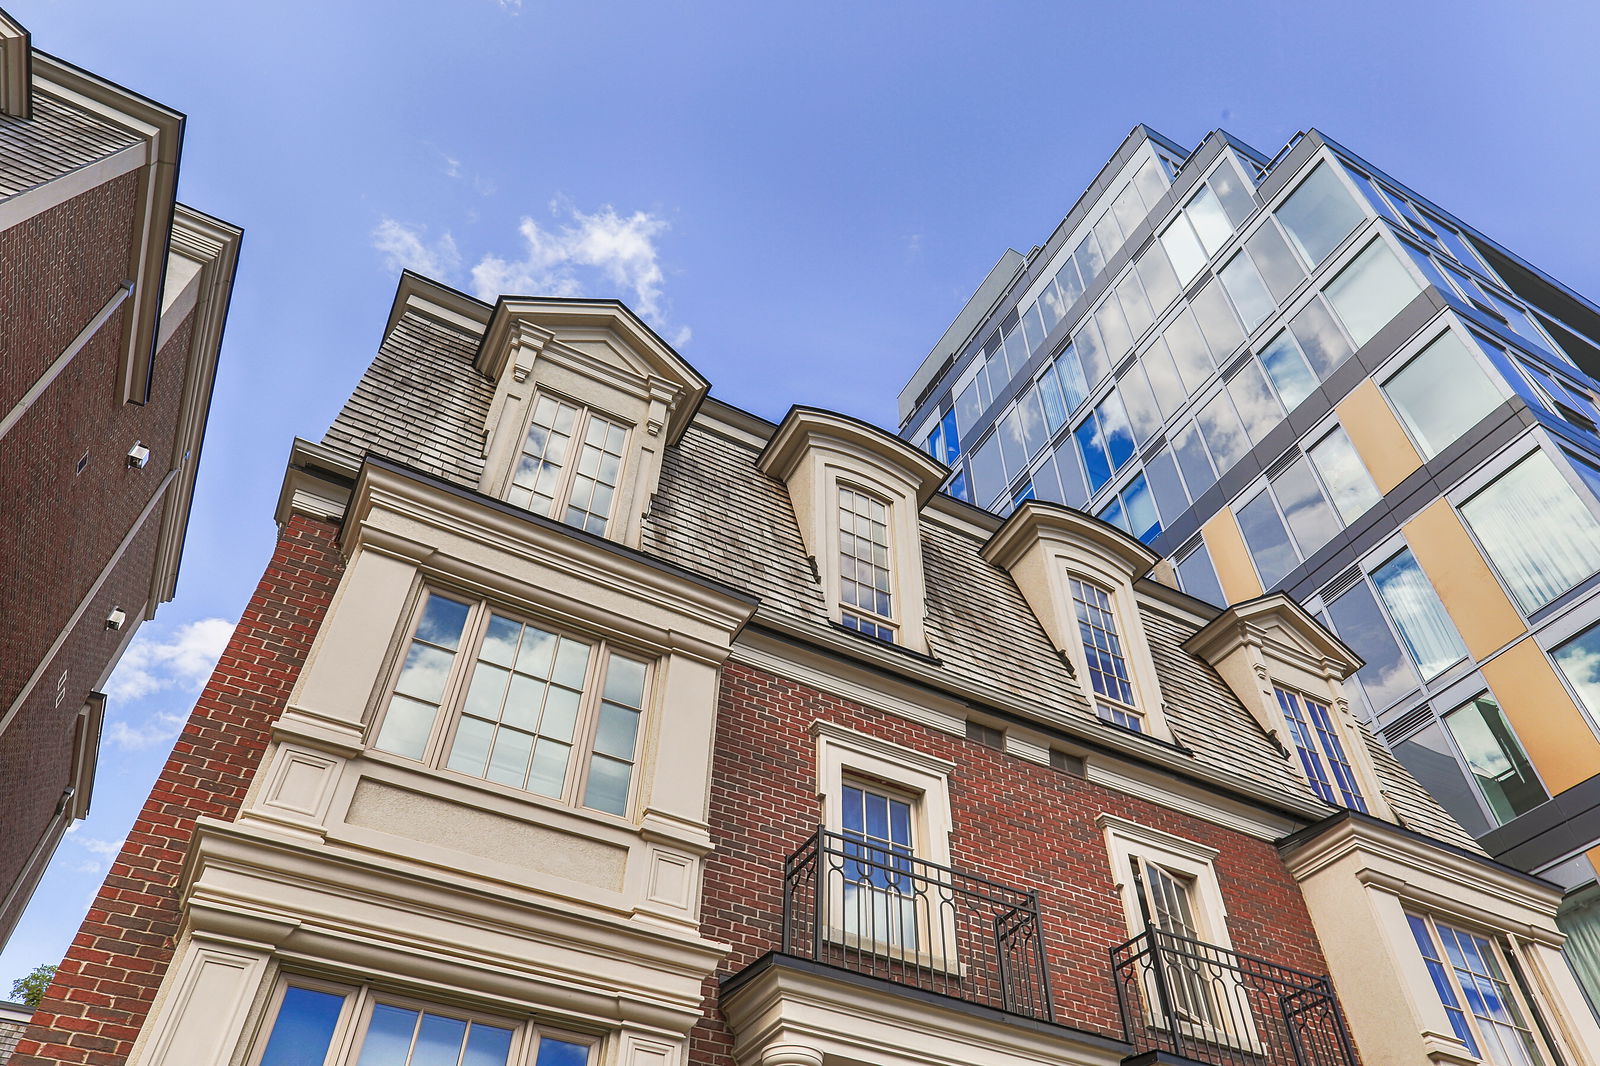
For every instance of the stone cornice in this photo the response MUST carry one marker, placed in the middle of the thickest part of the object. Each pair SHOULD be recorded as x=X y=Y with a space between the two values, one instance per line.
x=1247 y=623
x=708 y=612
x=1417 y=867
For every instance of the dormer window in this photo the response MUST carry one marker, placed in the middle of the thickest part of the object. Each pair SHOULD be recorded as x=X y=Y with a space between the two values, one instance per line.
x=865 y=597
x=1321 y=752
x=570 y=464
x=1102 y=649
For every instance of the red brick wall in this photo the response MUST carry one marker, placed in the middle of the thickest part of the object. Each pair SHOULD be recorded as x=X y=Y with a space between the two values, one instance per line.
x=1015 y=822
x=101 y=995
x=57 y=270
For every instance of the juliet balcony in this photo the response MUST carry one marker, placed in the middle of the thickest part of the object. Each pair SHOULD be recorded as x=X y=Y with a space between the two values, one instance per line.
x=954 y=966
x=879 y=912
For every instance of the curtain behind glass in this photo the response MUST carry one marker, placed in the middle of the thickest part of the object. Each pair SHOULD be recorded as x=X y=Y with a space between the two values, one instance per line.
x=1415 y=609
x=1536 y=530
x=1579 y=918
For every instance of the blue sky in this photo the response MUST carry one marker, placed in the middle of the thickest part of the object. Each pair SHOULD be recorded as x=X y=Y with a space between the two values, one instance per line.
x=801 y=195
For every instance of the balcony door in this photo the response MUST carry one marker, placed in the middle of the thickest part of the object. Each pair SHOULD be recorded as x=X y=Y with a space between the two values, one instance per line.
x=879 y=899
x=1166 y=903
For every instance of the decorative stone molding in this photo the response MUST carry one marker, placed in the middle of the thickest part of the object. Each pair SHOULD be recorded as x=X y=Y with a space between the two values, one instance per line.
x=1269 y=641
x=813 y=452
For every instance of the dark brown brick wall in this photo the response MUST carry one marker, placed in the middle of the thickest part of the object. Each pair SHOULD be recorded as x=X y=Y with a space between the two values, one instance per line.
x=36 y=751
x=60 y=530
x=1016 y=822
x=57 y=270
x=66 y=524
x=103 y=991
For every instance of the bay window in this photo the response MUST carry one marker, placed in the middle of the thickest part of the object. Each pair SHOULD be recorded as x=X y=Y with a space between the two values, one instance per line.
x=316 y=1023
x=1486 y=1010
x=491 y=695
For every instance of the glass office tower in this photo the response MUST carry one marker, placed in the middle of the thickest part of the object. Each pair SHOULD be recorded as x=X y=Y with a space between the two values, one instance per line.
x=1297 y=374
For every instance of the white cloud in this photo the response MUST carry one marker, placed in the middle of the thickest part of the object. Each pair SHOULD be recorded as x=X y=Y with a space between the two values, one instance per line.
x=157 y=730
x=182 y=662
x=513 y=6
x=102 y=852
x=576 y=253
x=404 y=248
x=578 y=249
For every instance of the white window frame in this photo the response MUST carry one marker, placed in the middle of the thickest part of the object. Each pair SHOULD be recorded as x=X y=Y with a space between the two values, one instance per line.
x=563 y=494
x=1127 y=841
x=447 y=718
x=846 y=756
x=1431 y=916
x=350 y=1031
x=893 y=620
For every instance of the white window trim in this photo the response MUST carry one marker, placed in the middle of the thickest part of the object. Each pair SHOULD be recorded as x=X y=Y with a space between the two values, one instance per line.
x=845 y=756
x=844 y=753
x=355 y=1017
x=1128 y=840
x=447 y=718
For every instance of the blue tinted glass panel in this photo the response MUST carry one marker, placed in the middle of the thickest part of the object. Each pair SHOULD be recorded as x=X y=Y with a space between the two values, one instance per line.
x=1143 y=522
x=952 y=438
x=304 y=1028
x=1091 y=447
x=561 y=1053
x=487 y=1045
x=1115 y=429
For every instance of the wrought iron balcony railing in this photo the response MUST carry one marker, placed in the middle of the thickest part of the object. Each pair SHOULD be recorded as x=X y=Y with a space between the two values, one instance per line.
x=878 y=911
x=1217 y=1006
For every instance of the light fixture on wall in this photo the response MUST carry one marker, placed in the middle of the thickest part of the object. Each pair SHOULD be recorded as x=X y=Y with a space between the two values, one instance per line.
x=138 y=455
x=116 y=618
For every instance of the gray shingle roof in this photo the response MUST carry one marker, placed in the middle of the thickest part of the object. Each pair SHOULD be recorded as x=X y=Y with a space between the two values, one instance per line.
x=423 y=404
x=58 y=139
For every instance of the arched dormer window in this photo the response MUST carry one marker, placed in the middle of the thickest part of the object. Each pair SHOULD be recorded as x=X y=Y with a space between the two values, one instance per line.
x=1077 y=573
x=1288 y=672
x=857 y=494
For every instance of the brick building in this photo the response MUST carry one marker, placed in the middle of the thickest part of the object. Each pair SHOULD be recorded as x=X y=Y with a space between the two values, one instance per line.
x=580 y=718
x=112 y=300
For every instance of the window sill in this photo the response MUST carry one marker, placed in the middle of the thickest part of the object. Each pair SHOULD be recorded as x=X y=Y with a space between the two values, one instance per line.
x=922 y=657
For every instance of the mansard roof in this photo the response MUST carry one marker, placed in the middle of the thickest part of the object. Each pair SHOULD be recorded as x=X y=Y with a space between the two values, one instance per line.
x=715 y=512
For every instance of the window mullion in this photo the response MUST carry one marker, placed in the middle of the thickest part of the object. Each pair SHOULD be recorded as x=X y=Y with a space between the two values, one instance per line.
x=583 y=734
x=453 y=701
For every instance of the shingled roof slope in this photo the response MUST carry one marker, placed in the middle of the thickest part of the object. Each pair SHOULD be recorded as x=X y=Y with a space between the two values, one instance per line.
x=423 y=404
x=420 y=403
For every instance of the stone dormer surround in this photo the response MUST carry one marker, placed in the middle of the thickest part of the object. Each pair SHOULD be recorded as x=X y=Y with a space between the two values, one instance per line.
x=1043 y=545
x=1271 y=641
x=596 y=354
x=814 y=452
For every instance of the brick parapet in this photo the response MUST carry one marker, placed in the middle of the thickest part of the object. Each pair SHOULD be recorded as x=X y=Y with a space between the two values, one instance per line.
x=102 y=994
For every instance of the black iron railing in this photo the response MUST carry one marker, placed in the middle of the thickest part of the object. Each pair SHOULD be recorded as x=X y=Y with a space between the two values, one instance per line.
x=879 y=911
x=1217 y=1006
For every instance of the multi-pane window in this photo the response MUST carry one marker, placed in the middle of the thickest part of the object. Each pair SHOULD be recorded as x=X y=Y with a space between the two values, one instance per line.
x=1486 y=1011
x=1321 y=751
x=880 y=892
x=544 y=712
x=570 y=463
x=1102 y=649
x=1536 y=530
x=1166 y=903
x=312 y=1019
x=864 y=588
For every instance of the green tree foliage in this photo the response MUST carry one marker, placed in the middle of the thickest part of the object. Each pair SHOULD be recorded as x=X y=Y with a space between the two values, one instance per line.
x=29 y=990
